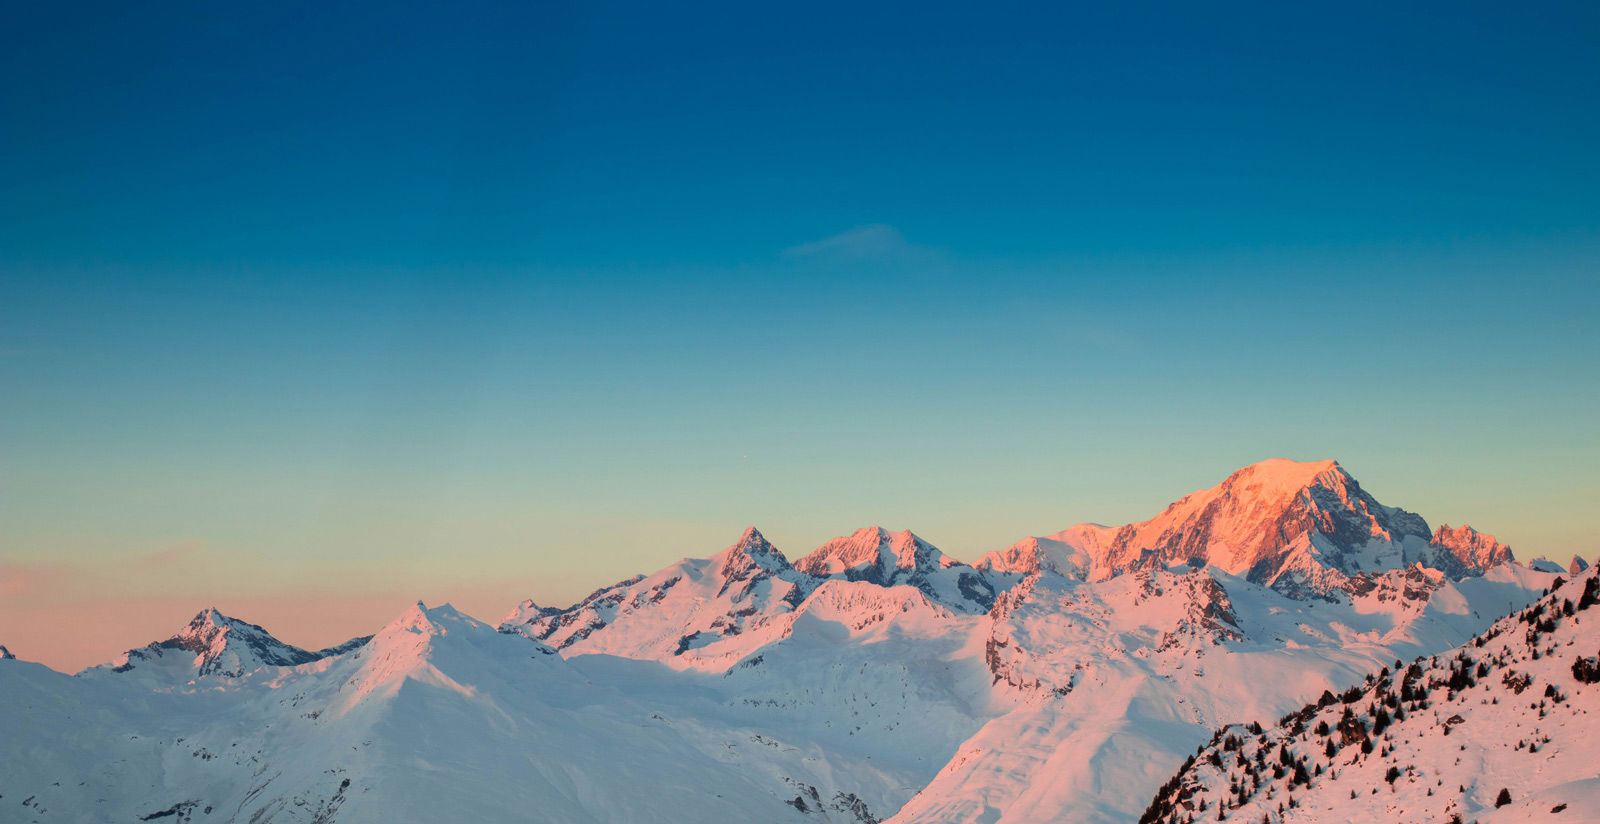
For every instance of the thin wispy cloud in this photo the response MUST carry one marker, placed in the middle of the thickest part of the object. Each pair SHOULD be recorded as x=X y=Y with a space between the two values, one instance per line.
x=874 y=243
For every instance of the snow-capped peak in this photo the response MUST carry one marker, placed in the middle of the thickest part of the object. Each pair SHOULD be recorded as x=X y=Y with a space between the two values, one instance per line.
x=414 y=619
x=215 y=644
x=413 y=631
x=885 y=558
x=871 y=552
x=752 y=538
x=209 y=629
x=1282 y=476
x=527 y=611
x=230 y=647
x=1261 y=516
x=439 y=646
x=751 y=552
x=1544 y=564
x=1299 y=526
x=420 y=619
x=1031 y=555
x=1281 y=481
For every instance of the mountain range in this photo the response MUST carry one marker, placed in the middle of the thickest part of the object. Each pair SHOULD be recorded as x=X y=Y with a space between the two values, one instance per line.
x=875 y=679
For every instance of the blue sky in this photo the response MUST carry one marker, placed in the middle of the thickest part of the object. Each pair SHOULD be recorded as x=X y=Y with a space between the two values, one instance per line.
x=379 y=297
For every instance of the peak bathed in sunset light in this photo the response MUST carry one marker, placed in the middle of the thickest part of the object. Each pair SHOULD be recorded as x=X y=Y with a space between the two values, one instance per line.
x=1095 y=377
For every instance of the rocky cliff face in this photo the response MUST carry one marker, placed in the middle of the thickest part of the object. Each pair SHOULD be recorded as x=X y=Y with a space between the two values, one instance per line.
x=1469 y=547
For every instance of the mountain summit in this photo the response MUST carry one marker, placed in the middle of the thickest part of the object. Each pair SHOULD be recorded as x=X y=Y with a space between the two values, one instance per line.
x=212 y=644
x=885 y=558
x=1299 y=527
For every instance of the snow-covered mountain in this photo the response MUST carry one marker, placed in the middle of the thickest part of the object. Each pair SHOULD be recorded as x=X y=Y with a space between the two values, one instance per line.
x=1059 y=554
x=698 y=612
x=712 y=612
x=215 y=645
x=1499 y=729
x=1473 y=549
x=873 y=680
x=1574 y=567
x=438 y=717
x=887 y=559
x=1299 y=527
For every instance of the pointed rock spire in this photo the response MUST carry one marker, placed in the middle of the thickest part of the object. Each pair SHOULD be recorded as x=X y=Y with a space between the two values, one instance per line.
x=223 y=646
x=756 y=546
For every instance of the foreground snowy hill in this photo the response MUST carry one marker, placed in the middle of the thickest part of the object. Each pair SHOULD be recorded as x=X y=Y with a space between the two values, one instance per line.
x=1117 y=681
x=875 y=679
x=1500 y=729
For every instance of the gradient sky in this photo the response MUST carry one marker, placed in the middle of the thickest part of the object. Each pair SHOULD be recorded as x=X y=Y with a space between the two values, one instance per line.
x=309 y=312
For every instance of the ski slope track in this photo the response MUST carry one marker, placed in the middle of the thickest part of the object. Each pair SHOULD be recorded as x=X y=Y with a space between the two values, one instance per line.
x=1070 y=677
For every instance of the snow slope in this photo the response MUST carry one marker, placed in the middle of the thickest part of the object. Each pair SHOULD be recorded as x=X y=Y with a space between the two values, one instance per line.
x=1116 y=681
x=1435 y=738
x=438 y=718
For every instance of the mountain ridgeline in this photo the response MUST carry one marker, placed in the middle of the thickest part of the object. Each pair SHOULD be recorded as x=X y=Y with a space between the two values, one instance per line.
x=875 y=679
x=1307 y=530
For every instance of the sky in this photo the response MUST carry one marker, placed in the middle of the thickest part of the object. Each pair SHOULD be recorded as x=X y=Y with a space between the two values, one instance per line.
x=309 y=312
